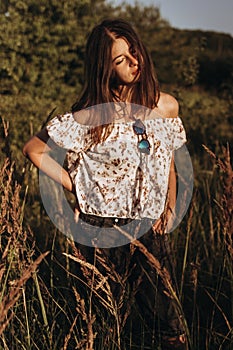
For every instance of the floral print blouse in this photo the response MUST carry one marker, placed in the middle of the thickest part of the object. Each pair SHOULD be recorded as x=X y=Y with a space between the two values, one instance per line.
x=113 y=179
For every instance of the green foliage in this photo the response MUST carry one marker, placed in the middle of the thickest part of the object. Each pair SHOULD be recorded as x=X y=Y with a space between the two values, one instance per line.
x=42 y=55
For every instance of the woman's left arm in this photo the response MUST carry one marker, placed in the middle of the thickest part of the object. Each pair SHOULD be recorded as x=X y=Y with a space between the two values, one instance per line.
x=171 y=196
x=165 y=221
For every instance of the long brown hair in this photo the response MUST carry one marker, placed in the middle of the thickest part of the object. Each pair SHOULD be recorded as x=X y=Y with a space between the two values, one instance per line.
x=100 y=85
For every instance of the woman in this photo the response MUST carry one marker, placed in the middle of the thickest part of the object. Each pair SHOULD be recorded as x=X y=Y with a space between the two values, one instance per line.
x=120 y=136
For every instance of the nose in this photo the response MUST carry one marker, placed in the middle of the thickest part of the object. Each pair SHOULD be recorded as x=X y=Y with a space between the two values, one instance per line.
x=133 y=61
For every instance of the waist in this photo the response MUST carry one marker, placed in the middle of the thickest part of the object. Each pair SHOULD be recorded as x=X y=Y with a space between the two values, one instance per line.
x=110 y=221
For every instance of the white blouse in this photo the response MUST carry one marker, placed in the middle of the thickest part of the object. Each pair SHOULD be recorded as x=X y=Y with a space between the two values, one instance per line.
x=113 y=179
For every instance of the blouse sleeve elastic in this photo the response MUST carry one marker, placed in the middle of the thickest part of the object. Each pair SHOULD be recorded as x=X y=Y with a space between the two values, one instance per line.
x=179 y=133
x=67 y=133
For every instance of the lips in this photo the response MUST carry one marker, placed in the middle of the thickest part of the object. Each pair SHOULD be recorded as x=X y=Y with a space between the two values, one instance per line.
x=135 y=72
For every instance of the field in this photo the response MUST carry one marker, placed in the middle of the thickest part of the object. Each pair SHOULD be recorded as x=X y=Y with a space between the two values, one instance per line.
x=50 y=297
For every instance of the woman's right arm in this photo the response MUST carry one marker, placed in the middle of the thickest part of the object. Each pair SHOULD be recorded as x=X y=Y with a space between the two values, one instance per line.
x=37 y=150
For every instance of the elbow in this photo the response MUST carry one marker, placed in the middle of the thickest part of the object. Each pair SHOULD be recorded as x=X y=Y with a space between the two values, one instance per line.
x=36 y=145
x=25 y=149
x=28 y=148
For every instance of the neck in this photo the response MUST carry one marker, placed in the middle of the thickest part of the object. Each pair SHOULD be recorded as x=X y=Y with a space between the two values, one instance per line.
x=124 y=93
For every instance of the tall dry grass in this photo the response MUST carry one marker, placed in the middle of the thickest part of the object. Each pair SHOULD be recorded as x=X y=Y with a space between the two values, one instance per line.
x=65 y=302
x=18 y=263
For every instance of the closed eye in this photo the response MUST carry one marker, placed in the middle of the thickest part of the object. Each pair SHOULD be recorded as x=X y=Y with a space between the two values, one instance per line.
x=119 y=62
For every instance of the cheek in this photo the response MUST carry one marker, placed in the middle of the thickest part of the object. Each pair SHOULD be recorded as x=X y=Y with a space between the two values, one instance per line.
x=120 y=74
x=117 y=73
x=122 y=71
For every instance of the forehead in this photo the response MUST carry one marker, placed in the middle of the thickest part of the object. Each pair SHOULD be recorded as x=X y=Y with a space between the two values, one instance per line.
x=119 y=47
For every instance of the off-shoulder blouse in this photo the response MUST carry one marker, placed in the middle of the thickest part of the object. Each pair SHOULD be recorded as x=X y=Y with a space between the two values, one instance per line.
x=112 y=178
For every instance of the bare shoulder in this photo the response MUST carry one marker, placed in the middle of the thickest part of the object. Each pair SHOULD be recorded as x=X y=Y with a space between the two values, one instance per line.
x=83 y=116
x=168 y=105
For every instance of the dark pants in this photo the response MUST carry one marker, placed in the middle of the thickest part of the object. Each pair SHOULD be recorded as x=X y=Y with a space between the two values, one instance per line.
x=152 y=296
